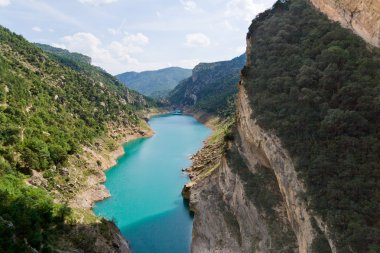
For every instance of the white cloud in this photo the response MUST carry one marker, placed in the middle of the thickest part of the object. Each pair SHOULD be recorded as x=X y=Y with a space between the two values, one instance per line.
x=227 y=24
x=244 y=9
x=4 y=3
x=51 y=30
x=139 y=39
x=197 y=40
x=189 y=5
x=37 y=29
x=97 y=2
x=115 y=57
x=130 y=44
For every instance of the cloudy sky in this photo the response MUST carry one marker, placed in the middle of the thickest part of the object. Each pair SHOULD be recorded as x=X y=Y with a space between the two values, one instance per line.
x=137 y=35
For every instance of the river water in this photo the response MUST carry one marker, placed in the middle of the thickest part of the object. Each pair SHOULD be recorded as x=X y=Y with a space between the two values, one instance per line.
x=146 y=185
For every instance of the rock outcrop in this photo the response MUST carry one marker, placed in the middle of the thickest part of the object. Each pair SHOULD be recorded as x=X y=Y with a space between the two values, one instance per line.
x=238 y=219
x=361 y=16
x=101 y=237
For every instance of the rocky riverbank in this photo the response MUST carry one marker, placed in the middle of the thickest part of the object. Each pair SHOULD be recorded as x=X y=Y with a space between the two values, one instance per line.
x=99 y=159
x=208 y=119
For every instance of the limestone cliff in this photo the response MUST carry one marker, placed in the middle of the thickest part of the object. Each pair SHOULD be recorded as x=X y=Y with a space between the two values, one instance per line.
x=259 y=198
x=361 y=16
x=252 y=200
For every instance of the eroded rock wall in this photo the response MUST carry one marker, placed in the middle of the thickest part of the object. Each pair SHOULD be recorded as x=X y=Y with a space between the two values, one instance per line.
x=361 y=16
x=251 y=202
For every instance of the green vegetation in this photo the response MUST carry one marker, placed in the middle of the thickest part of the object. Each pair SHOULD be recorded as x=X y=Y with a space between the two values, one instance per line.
x=156 y=83
x=51 y=104
x=223 y=131
x=211 y=88
x=50 y=110
x=27 y=217
x=64 y=55
x=82 y=64
x=317 y=86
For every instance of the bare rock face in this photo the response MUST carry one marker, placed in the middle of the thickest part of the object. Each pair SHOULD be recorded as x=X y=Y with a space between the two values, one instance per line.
x=225 y=220
x=252 y=202
x=265 y=148
x=103 y=237
x=361 y=16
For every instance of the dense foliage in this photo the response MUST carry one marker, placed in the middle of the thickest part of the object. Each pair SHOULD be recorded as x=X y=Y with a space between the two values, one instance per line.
x=317 y=86
x=48 y=110
x=82 y=64
x=211 y=88
x=156 y=83
x=28 y=217
x=50 y=105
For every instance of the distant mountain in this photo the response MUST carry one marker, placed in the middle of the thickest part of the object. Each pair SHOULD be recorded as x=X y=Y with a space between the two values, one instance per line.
x=157 y=83
x=210 y=86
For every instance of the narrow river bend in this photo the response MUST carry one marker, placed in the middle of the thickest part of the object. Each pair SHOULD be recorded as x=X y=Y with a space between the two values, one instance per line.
x=146 y=184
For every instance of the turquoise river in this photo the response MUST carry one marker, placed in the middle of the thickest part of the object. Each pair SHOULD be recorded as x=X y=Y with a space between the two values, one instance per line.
x=146 y=184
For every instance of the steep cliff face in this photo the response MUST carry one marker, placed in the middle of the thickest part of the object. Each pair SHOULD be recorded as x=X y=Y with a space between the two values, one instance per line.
x=361 y=16
x=253 y=199
x=290 y=179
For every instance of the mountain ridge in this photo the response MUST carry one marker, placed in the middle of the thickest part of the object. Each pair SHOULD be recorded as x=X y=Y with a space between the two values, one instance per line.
x=154 y=83
x=211 y=87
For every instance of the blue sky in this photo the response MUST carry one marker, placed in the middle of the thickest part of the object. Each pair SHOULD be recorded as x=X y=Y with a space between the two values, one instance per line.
x=137 y=35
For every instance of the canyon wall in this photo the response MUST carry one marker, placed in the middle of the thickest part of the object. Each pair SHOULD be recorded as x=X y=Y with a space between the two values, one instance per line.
x=252 y=202
x=255 y=201
x=361 y=16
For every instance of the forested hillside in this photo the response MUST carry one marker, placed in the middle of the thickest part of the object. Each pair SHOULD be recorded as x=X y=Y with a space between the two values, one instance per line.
x=211 y=87
x=155 y=83
x=317 y=86
x=82 y=64
x=48 y=112
x=63 y=54
x=300 y=168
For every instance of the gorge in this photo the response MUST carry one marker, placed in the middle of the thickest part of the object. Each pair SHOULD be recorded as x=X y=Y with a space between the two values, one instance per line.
x=291 y=166
x=145 y=185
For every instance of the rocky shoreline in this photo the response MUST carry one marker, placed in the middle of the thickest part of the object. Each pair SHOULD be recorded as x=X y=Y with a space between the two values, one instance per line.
x=100 y=162
x=208 y=157
x=95 y=190
x=209 y=120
